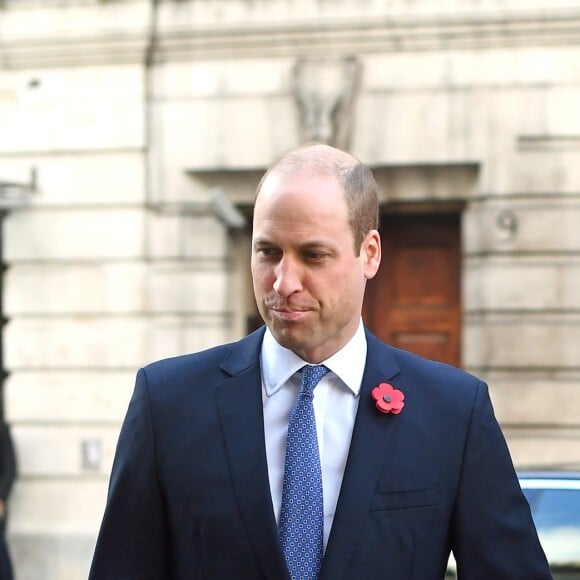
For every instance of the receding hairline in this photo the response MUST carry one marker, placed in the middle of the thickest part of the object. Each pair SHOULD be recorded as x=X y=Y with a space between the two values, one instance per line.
x=355 y=178
x=315 y=158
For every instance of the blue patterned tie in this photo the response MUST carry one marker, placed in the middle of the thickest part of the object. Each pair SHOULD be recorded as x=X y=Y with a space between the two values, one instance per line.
x=302 y=514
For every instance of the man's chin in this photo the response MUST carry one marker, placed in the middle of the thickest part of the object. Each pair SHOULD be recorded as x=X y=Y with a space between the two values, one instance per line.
x=289 y=336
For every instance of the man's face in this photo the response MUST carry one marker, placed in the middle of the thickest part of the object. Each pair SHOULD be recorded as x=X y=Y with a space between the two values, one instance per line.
x=308 y=282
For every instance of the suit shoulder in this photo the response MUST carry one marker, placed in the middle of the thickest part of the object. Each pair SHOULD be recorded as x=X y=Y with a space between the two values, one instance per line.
x=186 y=361
x=410 y=364
x=434 y=369
x=437 y=389
x=204 y=361
x=438 y=383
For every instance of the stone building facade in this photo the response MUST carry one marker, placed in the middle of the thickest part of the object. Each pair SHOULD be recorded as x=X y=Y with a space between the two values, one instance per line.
x=132 y=135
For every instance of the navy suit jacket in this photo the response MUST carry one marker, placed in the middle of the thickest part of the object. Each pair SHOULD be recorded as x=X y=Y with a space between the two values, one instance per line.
x=189 y=494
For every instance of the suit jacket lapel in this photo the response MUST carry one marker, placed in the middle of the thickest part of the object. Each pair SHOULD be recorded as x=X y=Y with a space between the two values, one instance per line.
x=373 y=433
x=239 y=400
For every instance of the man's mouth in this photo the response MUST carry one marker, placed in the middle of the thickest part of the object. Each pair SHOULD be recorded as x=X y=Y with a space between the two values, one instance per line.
x=288 y=314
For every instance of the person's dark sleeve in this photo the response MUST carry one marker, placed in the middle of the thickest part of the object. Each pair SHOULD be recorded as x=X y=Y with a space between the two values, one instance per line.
x=493 y=535
x=7 y=461
x=132 y=542
x=6 y=572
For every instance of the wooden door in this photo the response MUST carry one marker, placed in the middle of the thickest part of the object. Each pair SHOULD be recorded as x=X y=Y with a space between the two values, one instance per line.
x=414 y=301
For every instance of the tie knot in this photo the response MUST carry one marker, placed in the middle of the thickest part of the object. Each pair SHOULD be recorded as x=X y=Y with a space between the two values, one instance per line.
x=311 y=375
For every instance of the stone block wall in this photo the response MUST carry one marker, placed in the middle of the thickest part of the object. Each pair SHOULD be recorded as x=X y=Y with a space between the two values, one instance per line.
x=74 y=294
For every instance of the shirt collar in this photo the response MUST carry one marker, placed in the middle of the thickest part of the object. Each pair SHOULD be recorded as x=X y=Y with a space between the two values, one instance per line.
x=279 y=363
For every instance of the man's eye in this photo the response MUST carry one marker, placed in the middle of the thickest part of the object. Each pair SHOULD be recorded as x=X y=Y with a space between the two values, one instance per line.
x=267 y=252
x=315 y=256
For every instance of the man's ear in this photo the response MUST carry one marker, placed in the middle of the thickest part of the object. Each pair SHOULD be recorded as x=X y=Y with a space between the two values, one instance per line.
x=371 y=252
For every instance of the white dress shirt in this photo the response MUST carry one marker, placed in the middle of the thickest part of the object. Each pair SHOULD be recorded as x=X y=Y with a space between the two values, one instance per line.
x=335 y=405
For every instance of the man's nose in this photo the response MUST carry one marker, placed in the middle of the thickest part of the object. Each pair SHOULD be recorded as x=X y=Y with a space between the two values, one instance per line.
x=287 y=277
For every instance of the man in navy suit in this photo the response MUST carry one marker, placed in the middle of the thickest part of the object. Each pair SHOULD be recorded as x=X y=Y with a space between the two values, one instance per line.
x=413 y=462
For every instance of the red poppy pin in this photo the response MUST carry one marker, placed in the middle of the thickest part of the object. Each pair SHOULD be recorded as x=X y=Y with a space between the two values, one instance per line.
x=388 y=399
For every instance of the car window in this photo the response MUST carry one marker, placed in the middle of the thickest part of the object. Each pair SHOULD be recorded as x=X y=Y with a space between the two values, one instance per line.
x=556 y=508
x=556 y=513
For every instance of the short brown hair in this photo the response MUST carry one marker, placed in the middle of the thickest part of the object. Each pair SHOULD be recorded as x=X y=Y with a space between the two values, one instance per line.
x=357 y=181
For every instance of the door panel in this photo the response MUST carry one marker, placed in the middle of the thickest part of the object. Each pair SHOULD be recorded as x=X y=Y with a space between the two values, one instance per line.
x=414 y=301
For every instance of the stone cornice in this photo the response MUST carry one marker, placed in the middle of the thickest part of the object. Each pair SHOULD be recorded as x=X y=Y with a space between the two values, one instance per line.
x=104 y=49
x=74 y=32
x=313 y=37
x=394 y=34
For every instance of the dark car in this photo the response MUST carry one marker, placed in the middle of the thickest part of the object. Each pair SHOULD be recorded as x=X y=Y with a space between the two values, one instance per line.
x=554 y=498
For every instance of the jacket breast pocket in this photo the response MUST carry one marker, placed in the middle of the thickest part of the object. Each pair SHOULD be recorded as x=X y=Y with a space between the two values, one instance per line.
x=405 y=499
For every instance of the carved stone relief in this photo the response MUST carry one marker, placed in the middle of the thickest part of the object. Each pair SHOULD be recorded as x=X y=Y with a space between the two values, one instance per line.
x=325 y=90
